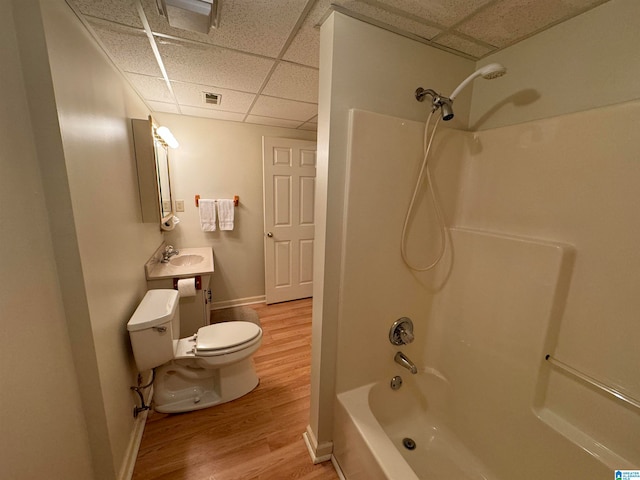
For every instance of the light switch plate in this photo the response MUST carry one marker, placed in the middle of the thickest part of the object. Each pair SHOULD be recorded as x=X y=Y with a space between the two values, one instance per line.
x=179 y=205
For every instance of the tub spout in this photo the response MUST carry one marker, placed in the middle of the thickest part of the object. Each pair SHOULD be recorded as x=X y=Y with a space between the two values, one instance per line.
x=401 y=359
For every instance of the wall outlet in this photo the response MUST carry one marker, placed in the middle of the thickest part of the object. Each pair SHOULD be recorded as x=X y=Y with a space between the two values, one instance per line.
x=179 y=205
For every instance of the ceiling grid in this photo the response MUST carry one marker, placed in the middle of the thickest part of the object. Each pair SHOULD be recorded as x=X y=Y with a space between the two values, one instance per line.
x=263 y=58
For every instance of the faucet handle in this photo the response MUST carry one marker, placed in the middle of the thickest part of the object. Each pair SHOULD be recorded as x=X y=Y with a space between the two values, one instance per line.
x=401 y=332
x=168 y=248
x=406 y=335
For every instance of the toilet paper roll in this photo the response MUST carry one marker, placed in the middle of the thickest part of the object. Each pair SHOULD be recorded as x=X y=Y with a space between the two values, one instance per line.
x=187 y=287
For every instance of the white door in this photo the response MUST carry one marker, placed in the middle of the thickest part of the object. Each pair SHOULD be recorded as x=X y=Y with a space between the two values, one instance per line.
x=289 y=191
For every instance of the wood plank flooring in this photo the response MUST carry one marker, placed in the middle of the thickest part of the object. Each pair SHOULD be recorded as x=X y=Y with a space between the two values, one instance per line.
x=258 y=436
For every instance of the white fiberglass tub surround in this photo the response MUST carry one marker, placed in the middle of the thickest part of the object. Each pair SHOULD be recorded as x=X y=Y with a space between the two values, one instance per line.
x=485 y=403
x=479 y=410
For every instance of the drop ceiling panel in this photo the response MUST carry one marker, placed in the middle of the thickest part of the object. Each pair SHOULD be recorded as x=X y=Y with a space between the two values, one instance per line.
x=312 y=126
x=284 y=109
x=305 y=47
x=463 y=45
x=129 y=48
x=151 y=88
x=505 y=21
x=294 y=82
x=211 y=65
x=209 y=113
x=402 y=21
x=163 y=107
x=256 y=26
x=274 y=122
x=119 y=11
x=191 y=94
x=442 y=12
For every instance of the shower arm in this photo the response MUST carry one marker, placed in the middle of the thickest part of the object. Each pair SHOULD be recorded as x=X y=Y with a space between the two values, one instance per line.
x=437 y=99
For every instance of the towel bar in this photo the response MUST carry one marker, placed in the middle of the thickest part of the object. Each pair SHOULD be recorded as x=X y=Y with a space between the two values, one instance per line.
x=236 y=200
x=592 y=381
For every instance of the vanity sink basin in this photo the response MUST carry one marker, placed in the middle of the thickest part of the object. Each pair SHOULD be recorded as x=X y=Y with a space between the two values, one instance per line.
x=186 y=260
x=189 y=262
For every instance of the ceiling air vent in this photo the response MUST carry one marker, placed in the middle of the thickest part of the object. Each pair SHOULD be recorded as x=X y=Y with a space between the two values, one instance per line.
x=212 y=98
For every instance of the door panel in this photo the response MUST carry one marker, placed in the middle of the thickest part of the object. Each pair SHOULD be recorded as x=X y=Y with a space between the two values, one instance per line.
x=289 y=204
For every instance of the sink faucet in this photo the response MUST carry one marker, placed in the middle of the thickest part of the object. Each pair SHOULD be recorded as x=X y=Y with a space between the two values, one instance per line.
x=401 y=359
x=169 y=252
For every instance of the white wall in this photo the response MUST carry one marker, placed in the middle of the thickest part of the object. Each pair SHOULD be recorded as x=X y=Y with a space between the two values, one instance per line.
x=590 y=61
x=81 y=109
x=43 y=427
x=364 y=67
x=219 y=159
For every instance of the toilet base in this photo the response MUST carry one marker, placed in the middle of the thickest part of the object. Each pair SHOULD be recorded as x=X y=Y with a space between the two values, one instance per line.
x=184 y=388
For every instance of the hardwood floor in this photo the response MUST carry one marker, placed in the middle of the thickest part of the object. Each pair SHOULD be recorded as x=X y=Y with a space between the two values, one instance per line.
x=256 y=437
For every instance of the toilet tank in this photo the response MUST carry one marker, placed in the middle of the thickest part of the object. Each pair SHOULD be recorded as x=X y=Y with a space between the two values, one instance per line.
x=154 y=329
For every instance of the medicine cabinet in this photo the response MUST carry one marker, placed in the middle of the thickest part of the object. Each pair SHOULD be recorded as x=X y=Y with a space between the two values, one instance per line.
x=154 y=175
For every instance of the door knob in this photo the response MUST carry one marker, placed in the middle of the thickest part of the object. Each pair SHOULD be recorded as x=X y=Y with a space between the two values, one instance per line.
x=269 y=234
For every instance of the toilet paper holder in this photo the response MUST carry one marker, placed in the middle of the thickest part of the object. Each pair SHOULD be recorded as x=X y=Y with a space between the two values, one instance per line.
x=198 y=283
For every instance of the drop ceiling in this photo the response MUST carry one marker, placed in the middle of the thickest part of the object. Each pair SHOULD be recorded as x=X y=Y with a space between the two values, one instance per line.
x=262 y=61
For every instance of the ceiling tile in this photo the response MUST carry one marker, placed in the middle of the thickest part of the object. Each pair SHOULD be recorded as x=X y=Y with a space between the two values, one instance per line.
x=317 y=13
x=506 y=21
x=294 y=82
x=129 y=48
x=442 y=12
x=309 y=126
x=208 y=113
x=274 y=122
x=151 y=88
x=162 y=107
x=285 y=109
x=399 y=20
x=463 y=45
x=231 y=101
x=305 y=47
x=211 y=65
x=256 y=26
x=120 y=11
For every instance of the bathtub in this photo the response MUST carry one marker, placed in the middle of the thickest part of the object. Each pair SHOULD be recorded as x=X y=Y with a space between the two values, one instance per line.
x=478 y=439
x=374 y=420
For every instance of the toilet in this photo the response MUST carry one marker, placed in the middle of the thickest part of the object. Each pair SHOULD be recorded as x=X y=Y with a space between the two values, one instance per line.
x=211 y=367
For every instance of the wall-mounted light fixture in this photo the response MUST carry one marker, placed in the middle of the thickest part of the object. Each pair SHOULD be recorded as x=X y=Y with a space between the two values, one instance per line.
x=167 y=137
x=195 y=15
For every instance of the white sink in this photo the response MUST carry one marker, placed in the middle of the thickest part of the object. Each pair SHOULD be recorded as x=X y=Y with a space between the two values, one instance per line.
x=188 y=263
x=186 y=260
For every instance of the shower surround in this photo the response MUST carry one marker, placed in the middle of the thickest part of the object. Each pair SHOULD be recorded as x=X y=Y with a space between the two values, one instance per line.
x=541 y=260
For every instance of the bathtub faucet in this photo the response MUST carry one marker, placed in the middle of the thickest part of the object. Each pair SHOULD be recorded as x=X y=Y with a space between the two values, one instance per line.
x=401 y=359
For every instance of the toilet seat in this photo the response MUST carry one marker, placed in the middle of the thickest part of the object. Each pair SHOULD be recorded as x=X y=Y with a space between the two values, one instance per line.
x=226 y=337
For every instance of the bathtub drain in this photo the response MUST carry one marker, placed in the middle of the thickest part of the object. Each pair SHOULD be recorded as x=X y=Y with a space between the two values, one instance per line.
x=408 y=443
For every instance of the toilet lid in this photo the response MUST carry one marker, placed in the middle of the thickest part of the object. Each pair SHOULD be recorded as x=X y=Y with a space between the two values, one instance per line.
x=220 y=336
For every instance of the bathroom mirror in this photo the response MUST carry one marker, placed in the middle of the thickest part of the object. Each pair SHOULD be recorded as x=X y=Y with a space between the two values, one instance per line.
x=154 y=178
x=164 y=182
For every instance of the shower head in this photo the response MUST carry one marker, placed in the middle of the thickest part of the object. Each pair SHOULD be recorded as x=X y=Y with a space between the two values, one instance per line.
x=491 y=71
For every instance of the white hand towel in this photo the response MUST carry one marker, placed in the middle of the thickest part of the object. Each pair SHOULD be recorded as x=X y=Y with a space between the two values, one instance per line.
x=207 y=210
x=225 y=214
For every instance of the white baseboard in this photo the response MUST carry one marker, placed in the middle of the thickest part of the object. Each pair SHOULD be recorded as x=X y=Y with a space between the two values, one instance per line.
x=239 y=302
x=131 y=454
x=318 y=453
x=336 y=465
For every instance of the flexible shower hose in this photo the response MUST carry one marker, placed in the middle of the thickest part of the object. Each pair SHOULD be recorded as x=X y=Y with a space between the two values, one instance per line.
x=425 y=168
